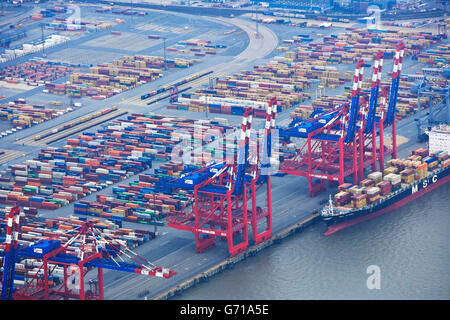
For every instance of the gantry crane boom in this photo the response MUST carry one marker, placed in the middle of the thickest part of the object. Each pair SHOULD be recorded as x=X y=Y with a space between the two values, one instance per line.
x=354 y=107
x=105 y=253
x=398 y=60
x=375 y=88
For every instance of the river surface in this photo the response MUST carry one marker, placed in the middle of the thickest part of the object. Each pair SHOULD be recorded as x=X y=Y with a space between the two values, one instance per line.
x=410 y=246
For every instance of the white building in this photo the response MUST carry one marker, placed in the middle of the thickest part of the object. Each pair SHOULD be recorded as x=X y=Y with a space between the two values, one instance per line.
x=439 y=139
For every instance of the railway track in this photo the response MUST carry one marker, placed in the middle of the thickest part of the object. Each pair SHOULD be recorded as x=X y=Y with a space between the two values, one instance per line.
x=50 y=137
x=7 y=155
x=136 y=100
x=196 y=83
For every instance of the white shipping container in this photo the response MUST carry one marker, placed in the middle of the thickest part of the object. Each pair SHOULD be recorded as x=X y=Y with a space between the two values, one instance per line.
x=32 y=163
x=23 y=179
x=58 y=174
x=372 y=190
x=28 y=236
x=76 y=188
x=375 y=175
x=21 y=173
x=101 y=171
x=46 y=168
x=135 y=153
x=152 y=151
x=121 y=172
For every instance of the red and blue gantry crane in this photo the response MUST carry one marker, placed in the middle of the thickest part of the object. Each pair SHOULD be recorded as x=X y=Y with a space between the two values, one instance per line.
x=96 y=251
x=343 y=141
x=9 y=262
x=221 y=193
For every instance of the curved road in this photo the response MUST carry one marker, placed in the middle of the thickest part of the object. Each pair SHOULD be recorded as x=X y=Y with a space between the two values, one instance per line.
x=258 y=48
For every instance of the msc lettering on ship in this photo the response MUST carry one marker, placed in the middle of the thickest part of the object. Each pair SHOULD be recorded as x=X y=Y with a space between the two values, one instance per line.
x=415 y=187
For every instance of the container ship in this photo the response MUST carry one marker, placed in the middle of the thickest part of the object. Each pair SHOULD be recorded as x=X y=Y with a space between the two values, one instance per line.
x=401 y=182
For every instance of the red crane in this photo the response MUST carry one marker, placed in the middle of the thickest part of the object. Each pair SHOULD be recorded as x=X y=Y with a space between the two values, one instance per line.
x=343 y=141
x=218 y=206
x=97 y=251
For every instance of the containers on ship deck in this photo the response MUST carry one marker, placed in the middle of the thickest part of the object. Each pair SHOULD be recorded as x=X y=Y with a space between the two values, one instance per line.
x=399 y=173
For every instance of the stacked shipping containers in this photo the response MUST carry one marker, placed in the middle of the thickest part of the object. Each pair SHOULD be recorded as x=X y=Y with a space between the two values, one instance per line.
x=23 y=115
x=399 y=173
x=34 y=72
x=108 y=79
x=126 y=147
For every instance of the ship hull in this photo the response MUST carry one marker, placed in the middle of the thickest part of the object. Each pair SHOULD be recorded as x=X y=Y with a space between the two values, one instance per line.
x=424 y=186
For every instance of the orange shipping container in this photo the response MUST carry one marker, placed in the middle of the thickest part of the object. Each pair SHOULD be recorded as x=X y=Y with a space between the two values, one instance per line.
x=102 y=197
x=423 y=165
x=84 y=137
x=114 y=152
x=64 y=227
x=144 y=184
x=73 y=141
x=75 y=221
x=26 y=228
x=131 y=205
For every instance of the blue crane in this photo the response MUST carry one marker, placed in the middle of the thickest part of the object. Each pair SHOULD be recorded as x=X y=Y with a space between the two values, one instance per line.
x=398 y=60
x=373 y=101
x=354 y=107
x=102 y=252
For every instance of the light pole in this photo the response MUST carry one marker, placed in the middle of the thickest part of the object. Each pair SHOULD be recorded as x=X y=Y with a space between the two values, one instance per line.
x=131 y=20
x=164 y=39
x=43 y=40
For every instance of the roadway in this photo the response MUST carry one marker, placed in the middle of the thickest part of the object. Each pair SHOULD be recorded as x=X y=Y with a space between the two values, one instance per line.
x=31 y=140
x=259 y=47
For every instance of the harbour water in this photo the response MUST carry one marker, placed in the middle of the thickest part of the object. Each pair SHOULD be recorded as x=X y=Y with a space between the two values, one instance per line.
x=410 y=247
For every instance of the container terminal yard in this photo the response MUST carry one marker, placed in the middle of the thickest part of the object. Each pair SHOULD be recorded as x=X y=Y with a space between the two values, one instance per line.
x=98 y=100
